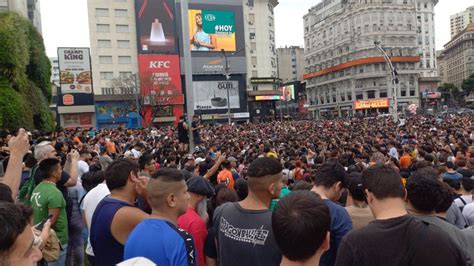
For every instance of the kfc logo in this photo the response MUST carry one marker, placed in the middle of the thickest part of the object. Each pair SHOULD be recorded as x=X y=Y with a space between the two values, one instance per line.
x=160 y=64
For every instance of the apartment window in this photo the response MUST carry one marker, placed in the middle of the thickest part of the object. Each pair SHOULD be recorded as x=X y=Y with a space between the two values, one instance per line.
x=403 y=93
x=349 y=97
x=125 y=74
x=125 y=59
x=383 y=94
x=412 y=92
x=105 y=59
x=371 y=94
x=106 y=75
x=104 y=43
x=123 y=44
x=103 y=28
x=121 y=13
x=102 y=12
x=359 y=96
x=122 y=28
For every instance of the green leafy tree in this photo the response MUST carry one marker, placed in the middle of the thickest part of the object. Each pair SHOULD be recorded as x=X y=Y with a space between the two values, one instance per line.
x=468 y=84
x=25 y=71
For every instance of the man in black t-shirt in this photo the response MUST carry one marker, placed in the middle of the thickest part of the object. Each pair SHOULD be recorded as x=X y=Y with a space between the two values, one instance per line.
x=243 y=230
x=395 y=238
x=183 y=136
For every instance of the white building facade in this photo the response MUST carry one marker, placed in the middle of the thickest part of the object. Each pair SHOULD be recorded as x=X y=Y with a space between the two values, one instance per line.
x=459 y=21
x=260 y=42
x=54 y=70
x=290 y=63
x=29 y=9
x=113 y=43
x=345 y=73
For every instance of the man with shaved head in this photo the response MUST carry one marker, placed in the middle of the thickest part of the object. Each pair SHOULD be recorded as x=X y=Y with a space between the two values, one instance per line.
x=158 y=238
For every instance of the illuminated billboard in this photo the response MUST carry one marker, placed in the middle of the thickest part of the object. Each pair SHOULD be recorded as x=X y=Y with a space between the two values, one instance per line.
x=160 y=79
x=212 y=30
x=156 y=26
x=372 y=104
x=212 y=95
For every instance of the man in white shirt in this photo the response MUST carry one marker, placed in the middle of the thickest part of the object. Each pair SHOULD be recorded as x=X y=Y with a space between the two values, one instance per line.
x=137 y=150
x=392 y=152
x=89 y=204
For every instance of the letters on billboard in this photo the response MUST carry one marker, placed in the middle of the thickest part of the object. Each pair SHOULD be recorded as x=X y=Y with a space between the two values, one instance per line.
x=160 y=79
x=75 y=74
x=212 y=30
x=212 y=95
x=156 y=27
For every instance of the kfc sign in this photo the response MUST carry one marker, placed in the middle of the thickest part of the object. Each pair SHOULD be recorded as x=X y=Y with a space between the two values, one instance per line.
x=160 y=75
x=160 y=64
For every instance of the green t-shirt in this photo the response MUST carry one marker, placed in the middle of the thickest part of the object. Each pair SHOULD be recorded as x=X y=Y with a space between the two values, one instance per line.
x=283 y=192
x=47 y=196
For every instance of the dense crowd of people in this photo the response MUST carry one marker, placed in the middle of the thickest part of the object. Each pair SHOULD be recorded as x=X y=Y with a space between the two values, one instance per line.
x=360 y=191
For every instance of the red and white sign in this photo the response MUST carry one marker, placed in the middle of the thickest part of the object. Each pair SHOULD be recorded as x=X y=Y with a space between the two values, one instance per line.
x=68 y=99
x=160 y=78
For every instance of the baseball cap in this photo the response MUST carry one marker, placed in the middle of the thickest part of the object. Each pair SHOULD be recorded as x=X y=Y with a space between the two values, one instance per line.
x=200 y=186
x=231 y=159
x=199 y=160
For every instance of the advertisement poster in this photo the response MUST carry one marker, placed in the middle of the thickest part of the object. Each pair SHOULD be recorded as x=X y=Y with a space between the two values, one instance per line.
x=372 y=104
x=288 y=92
x=75 y=70
x=77 y=120
x=212 y=95
x=114 y=114
x=160 y=78
x=212 y=30
x=156 y=26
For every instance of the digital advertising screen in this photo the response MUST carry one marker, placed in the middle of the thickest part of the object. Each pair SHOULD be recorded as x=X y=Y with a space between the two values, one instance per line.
x=156 y=27
x=212 y=30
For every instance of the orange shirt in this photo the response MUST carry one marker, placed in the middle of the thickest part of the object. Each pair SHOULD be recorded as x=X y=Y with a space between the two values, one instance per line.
x=405 y=161
x=110 y=146
x=225 y=176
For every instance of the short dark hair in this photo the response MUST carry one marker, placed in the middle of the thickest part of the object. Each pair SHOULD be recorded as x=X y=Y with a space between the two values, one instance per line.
x=264 y=166
x=468 y=183
x=14 y=218
x=144 y=160
x=168 y=175
x=355 y=186
x=6 y=193
x=383 y=181
x=91 y=179
x=423 y=191
x=47 y=167
x=226 y=195
x=329 y=174
x=300 y=224
x=446 y=197
x=117 y=173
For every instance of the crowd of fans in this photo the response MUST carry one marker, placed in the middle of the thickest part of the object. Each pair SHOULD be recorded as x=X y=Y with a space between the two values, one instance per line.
x=333 y=192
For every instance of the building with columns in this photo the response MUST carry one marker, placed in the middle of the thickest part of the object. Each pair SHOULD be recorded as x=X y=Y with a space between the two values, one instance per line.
x=346 y=73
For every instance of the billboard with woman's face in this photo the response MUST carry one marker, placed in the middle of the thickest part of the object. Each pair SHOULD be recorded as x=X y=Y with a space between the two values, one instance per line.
x=211 y=30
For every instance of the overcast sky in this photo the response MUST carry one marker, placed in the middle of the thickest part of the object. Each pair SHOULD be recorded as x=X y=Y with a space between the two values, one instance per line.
x=65 y=22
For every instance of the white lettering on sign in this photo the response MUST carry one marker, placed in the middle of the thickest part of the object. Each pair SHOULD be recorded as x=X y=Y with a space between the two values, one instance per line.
x=73 y=55
x=224 y=28
x=160 y=64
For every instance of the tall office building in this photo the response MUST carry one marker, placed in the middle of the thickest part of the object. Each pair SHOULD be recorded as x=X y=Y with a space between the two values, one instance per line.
x=113 y=43
x=29 y=9
x=290 y=63
x=345 y=72
x=460 y=20
x=458 y=55
x=34 y=13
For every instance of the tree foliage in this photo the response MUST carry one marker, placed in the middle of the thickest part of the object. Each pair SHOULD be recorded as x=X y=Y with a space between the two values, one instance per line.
x=468 y=84
x=25 y=71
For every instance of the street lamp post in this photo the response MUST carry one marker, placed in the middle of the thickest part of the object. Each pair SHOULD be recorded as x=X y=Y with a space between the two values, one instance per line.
x=395 y=81
x=188 y=71
x=227 y=77
x=137 y=93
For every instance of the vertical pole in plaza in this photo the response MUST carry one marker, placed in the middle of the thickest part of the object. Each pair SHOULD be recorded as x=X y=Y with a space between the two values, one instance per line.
x=137 y=93
x=188 y=71
x=395 y=82
x=227 y=77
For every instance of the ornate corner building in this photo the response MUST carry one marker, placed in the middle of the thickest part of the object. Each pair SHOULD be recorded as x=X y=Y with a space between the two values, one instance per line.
x=345 y=73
